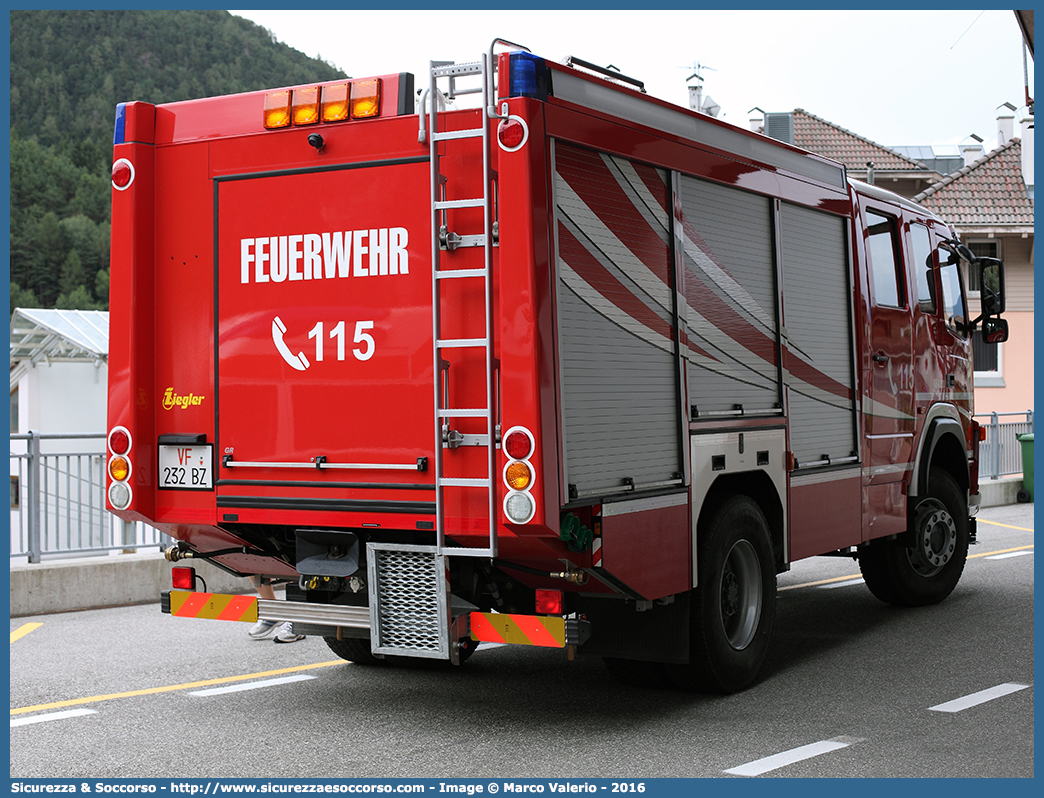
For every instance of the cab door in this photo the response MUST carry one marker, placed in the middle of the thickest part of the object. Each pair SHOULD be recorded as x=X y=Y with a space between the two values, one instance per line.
x=889 y=408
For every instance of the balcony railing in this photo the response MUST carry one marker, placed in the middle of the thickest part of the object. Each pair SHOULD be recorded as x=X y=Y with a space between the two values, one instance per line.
x=58 y=500
x=1000 y=454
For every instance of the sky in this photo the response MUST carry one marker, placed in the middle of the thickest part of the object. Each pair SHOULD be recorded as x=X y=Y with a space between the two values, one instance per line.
x=898 y=78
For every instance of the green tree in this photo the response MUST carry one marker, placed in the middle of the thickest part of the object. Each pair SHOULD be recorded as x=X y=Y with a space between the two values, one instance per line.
x=77 y=299
x=73 y=275
x=101 y=287
x=69 y=69
x=22 y=298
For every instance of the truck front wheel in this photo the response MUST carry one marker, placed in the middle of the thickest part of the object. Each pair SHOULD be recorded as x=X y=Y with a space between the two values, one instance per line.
x=733 y=605
x=927 y=571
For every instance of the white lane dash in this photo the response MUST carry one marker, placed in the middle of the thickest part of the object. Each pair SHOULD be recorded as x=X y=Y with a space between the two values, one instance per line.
x=776 y=761
x=235 y=688
x=981 y=697
x=68 y=713
x=1009 y=554
x=848 y=583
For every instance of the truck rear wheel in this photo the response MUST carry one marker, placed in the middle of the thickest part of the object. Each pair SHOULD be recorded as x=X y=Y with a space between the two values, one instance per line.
x=734 y=603
x=354 y=649
x=927 y=571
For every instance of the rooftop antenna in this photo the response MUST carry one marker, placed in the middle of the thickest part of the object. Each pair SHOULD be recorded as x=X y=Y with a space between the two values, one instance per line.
x=697 y=102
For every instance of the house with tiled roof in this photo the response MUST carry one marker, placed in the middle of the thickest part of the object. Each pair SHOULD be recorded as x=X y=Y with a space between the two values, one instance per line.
x=989 y=203
x=863 y=159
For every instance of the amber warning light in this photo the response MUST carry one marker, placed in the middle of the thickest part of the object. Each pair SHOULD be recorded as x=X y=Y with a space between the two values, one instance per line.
x=310 y=105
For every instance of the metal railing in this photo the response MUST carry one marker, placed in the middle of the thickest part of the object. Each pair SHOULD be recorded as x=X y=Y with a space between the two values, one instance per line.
x=58 y=500
x=1001 y=453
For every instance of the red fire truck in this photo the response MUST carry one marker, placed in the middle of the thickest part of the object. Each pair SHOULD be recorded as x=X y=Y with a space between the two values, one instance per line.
x=575 y=367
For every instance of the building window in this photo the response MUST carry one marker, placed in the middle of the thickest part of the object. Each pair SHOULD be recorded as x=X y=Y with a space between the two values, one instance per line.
x=14 y=493
x=987 y=360
x=981 y=249
x=14 y=412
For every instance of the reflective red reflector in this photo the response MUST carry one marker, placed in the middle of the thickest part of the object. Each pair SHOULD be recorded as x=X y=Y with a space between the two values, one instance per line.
x=517 y=445
x=183 y=578
x=122 y=174
x=119 y=441
x=549 y=602
x=511 y=133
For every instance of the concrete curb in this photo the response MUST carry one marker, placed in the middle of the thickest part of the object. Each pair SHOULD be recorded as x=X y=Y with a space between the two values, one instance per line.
x=1001 y=491
x=95 y=582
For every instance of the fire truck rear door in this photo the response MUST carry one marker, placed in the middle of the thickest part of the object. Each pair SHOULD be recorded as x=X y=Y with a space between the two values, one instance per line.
x=323 y=323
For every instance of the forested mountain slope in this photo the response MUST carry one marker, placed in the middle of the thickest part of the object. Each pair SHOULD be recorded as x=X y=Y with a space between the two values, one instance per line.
x=69 y=69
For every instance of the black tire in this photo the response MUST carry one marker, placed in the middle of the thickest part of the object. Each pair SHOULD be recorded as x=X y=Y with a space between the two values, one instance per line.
x=927 y=571
x=354 y=649
x=734 y=604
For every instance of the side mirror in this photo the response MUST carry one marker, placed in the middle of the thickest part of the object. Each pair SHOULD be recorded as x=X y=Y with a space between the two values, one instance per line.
x=965 y=253
x=991 y=296
x=995 y=331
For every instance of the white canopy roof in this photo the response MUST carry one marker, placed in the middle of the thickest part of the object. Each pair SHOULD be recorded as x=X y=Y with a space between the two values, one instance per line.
x=59 y=335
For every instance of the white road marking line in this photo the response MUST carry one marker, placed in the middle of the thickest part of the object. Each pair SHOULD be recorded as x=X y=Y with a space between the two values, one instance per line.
x=235 y=688
x=69 y=713
x=980 y=697
x=776 y=761
x=1009 y=554
x=849 y=583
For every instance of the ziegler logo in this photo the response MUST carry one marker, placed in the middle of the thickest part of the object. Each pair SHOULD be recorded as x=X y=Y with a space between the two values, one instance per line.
x=172 y=400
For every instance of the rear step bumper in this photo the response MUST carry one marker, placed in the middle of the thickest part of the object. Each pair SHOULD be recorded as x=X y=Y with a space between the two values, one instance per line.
x=528 y=630
x=250 y=609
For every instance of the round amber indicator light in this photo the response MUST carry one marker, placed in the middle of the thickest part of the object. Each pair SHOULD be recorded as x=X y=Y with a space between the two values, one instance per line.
x=119 y=468
x=518 y=476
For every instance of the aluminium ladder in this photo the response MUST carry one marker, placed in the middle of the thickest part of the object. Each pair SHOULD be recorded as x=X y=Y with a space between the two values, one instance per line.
x=443 y=244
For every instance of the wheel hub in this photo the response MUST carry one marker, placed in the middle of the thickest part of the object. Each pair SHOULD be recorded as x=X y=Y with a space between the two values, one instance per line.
x=741 y=595
x=935 y=538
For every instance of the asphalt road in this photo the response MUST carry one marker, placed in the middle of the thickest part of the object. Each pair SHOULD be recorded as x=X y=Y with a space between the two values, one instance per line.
x=853 y=688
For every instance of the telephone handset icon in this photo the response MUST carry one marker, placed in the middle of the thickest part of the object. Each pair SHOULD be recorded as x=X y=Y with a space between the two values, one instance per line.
x=298 y=361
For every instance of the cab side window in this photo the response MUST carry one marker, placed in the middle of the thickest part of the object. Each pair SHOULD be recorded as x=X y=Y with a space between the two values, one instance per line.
x=889 y=287
x=923 y=264
x=953 y=298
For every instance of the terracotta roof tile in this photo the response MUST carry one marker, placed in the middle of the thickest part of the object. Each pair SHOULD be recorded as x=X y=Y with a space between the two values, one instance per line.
x=990 y=191
x=834 y=142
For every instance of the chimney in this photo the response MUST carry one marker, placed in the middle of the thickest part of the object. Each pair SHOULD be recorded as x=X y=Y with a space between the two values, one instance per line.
x=1027 y=150
x=696 y=96
x=971 y=149
x=1005 y=124
x=757 y=119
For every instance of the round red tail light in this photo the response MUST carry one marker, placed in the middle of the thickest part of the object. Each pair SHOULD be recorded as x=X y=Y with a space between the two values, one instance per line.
x=119 y=441
x=518 y=445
